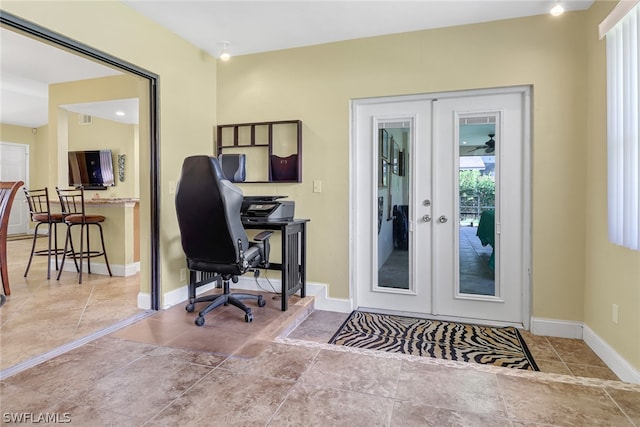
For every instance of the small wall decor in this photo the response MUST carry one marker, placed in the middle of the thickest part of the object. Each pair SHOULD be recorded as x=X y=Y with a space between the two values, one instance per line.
x=395 y=157
x=383 y=142
x=380 y=212
x=121 y=160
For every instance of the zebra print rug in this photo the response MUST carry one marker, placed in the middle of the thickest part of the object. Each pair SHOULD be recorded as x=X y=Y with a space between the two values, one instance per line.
x=432 y=338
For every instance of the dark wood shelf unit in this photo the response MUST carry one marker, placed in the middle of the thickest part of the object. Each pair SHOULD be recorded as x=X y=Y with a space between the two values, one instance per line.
x=290 y=169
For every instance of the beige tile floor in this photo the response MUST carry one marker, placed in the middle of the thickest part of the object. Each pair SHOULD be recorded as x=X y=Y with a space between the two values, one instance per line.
x=41 y=315
x=279 y=371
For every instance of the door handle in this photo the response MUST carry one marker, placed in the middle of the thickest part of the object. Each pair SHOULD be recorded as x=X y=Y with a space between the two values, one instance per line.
x=442 y=219
x=426 y=218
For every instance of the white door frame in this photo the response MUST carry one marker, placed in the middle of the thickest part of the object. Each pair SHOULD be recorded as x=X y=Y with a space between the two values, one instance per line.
x=359 y=208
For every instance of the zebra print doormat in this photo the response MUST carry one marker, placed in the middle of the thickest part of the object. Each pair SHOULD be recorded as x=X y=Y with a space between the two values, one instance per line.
x=432 y=338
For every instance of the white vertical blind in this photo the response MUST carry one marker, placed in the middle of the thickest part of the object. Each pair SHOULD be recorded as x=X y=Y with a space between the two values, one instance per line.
x=623 y=43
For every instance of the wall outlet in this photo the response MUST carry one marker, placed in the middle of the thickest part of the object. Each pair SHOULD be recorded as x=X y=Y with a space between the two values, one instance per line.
x=614 y=313
x=317 y=186
x=183 y=274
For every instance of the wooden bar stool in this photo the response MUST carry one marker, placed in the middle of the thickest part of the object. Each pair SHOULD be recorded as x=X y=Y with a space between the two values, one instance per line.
x=72 y=202
x=40 y=211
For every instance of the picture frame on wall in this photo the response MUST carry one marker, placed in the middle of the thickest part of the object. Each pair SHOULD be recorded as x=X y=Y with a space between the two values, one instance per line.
x=395 y=158
x=383 y=143
x=383 y=173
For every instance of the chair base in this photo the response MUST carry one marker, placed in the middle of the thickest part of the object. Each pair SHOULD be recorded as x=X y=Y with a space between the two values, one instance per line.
x=225 y=298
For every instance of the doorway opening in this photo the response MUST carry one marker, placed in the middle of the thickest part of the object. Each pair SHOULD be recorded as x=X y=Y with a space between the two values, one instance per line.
x=149 y=144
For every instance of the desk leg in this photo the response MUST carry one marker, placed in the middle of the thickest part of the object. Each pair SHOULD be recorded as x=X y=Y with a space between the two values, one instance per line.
x=293 y=262
x=303 y=261
x=285 y=267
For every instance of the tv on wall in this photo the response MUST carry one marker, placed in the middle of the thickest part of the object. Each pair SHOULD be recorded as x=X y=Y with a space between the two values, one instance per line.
x=91 y=169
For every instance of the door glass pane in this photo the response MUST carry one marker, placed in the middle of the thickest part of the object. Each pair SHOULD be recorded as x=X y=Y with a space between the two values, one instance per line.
x=477 y=150
x=393 y=204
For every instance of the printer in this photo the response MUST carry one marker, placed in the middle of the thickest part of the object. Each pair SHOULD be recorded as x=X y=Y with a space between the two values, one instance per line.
x=266 y=209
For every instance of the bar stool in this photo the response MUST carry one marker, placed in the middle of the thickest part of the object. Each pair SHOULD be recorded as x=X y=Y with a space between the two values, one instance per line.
x=40 y=211
x=72 y=202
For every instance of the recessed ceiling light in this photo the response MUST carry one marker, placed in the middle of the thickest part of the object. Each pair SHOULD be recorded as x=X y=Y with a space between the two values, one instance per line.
x=557 y=9
x=120 y=113
x=225 y=55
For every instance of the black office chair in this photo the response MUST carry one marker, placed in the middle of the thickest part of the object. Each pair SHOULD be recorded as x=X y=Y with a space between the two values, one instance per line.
x=213 y=238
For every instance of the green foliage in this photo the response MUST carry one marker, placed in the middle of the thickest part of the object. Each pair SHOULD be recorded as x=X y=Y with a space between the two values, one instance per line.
x=474 y=185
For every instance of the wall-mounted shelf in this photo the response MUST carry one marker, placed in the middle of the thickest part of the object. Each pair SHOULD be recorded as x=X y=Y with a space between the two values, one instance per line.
x=273 y=150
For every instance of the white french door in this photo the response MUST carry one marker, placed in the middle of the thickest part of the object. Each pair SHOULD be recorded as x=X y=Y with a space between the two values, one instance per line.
x=371 y=190
x=443 y=256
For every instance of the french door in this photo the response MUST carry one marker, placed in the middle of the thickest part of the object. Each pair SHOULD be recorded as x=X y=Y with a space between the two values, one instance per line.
x=440 y=205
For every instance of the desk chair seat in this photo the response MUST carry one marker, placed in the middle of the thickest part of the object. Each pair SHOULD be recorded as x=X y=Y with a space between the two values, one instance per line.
x=213 y=238
x=73 y=208
x=40 y=211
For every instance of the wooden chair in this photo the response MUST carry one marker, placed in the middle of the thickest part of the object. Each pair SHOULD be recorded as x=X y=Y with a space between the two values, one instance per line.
x=7 y=194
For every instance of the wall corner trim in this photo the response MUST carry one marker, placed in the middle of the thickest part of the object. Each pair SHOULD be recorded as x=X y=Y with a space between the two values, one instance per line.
x=618 y=364
x=578 y=330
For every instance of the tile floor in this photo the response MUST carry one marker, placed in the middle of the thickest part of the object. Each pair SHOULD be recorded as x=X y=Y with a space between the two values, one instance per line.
x=475 y=275
x=279 y=371
x=41 y=315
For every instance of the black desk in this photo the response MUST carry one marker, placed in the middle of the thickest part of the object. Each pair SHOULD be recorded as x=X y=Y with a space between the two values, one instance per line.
x=294 y=254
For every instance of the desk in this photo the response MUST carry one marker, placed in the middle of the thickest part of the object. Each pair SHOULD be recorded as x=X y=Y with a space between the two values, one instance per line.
x=294 y=254
x=487 y=235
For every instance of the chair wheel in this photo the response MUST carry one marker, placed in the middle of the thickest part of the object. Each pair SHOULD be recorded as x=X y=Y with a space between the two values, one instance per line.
x=248 y=317
x=200 y=321
x=261 y=301
x=190 y=307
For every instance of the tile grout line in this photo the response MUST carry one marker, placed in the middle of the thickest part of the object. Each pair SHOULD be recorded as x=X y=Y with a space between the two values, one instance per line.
x=619 y=407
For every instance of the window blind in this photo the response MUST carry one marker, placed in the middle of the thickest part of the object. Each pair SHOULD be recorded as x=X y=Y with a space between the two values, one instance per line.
x=622 y=44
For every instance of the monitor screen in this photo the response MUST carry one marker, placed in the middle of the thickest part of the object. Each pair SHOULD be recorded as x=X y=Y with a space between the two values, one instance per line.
x=91 y=169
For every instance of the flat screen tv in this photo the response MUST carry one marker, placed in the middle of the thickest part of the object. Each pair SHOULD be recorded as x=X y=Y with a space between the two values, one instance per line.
x=91 y=169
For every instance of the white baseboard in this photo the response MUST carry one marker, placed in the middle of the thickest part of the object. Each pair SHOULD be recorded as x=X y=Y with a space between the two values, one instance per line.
x=556 y=328
x=614 y=361
x=118 y=270
x=144 y=300
x=578 y=330
x=248 y=283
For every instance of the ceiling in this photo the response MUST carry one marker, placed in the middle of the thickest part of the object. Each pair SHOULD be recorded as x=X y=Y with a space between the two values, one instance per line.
x=249 y=27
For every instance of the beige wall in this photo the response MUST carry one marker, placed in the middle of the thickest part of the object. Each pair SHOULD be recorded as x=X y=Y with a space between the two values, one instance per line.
x=612 y=273
x=101 y=133
x=187 y=96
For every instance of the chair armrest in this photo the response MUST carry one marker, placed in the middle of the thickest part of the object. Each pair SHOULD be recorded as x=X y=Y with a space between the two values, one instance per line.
x=263 y=237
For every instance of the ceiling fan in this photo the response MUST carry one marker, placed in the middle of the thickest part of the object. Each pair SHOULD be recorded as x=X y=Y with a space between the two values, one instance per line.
x=489 y=146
